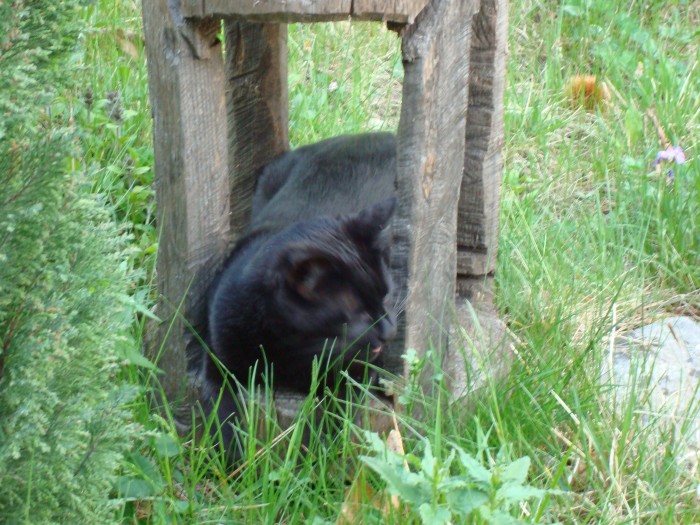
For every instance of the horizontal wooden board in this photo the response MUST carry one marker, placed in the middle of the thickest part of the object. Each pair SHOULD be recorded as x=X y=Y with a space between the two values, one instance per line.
x=401 y=11
x=388 y=10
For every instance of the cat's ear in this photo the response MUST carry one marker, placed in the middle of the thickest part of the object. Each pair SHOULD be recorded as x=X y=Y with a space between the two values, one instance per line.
x=370 y=222
x=307 y=274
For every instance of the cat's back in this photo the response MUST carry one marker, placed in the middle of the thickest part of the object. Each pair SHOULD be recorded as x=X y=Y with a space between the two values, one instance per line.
x=336 y=176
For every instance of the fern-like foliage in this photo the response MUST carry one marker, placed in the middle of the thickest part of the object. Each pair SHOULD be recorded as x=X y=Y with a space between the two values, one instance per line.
x=65 y=316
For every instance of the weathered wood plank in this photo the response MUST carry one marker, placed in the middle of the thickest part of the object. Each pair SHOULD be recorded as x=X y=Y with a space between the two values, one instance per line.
x=404 y=11
x=274 y=11
x=257 y=100
x=186 y=84
x=477 y=234
x=431 y=145
x=269 y=10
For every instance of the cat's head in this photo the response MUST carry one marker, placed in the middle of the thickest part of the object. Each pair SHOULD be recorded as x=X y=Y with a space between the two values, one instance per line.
x=332 y=287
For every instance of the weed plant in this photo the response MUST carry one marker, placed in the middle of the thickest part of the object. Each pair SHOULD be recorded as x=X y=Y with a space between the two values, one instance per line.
x=594 y=239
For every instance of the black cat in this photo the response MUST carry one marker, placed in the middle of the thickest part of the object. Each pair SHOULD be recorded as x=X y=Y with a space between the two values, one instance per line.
x=310 y=278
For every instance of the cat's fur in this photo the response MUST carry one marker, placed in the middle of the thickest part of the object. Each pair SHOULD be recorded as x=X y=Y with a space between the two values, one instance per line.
x=310 y=278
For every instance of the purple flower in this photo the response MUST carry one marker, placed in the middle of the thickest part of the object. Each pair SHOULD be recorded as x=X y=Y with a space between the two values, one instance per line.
x=674 y=153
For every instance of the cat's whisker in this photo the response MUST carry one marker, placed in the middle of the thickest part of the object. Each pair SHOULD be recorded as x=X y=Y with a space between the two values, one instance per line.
x=400 y=304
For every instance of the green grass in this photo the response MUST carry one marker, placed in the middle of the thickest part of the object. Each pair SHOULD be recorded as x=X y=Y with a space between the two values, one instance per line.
x=592 y=239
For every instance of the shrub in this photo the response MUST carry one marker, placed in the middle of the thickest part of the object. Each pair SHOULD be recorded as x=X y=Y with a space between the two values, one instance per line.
x=65 y=316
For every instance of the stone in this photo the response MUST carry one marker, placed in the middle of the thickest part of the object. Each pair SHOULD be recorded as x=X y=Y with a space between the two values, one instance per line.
x=664 y=355
x=480 y=349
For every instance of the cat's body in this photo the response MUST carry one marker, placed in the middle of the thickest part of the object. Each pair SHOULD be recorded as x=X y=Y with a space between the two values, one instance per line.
x=310 y=277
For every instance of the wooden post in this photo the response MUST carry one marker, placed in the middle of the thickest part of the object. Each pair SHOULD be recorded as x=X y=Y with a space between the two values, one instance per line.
x=431 y=145
x=479 y=349
x=256 y=74
x=186 y=83
x=477 y=227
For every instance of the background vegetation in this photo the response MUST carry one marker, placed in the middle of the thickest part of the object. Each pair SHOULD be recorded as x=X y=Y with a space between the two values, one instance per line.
x=594 y=239
x=66 y=319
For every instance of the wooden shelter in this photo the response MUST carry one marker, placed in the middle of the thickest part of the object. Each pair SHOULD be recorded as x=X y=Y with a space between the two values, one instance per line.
x=218 y=119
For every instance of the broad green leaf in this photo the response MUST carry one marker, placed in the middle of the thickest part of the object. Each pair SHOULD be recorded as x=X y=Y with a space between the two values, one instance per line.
x=138 y=306
x=134 y=357
x=410 y=487
x=145 y=467
x=516 y=471
x=428 y=461
x=375 y=442
x=513 y=493
x=166 y=445
x=431 y=515
x=475 y=469
x=180 y=507
x=132 y=488
x=466 y=500
x=451 y=483
x=499 y=517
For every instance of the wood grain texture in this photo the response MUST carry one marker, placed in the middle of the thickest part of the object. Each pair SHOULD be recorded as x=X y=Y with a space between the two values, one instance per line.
x=404 y=11
x=191 y=183
x=257 y=100
x=431 y=145
x=275 y=11
x=269 y=10
x=477 y=234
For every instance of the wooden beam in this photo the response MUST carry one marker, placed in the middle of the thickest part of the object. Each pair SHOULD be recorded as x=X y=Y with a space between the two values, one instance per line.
x=477 y=234
x=269 y=10
x=257 y=101
x=186 y=85
x=274 y=11
x=402 y=11
x=431 y=145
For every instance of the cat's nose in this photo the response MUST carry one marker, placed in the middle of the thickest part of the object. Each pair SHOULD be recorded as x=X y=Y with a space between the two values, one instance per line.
x=387 y=328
